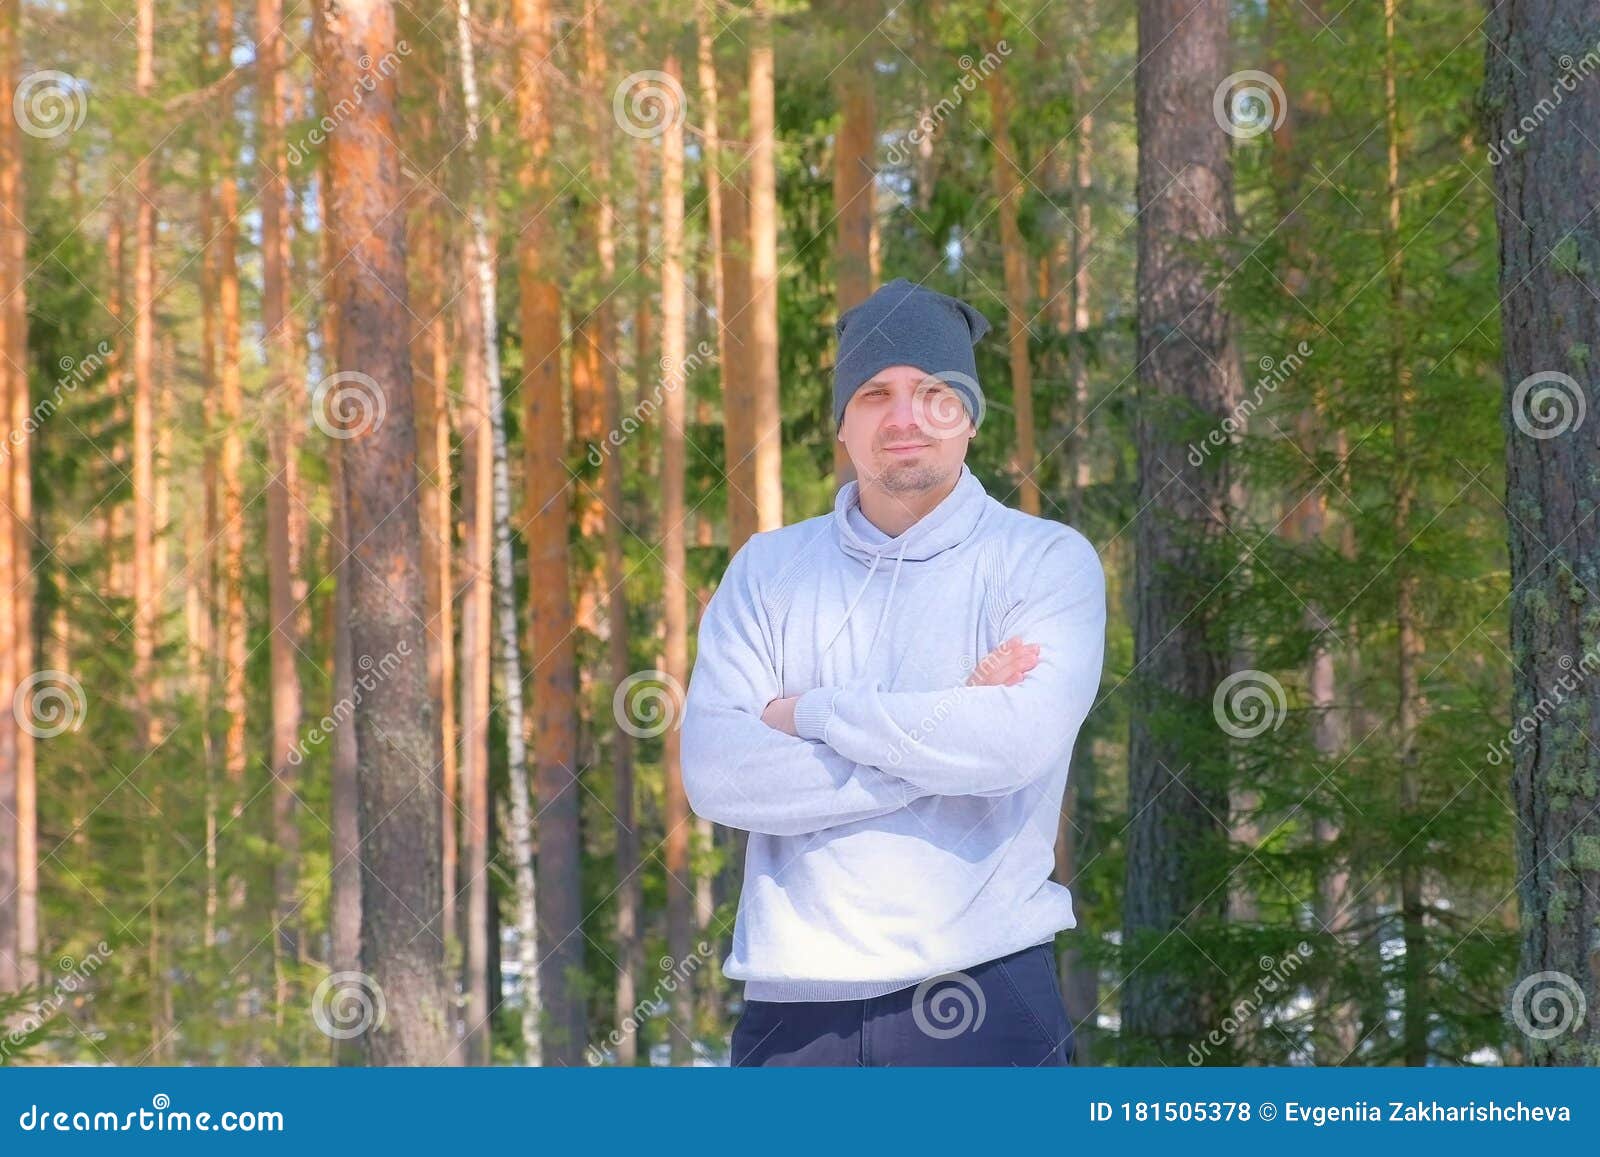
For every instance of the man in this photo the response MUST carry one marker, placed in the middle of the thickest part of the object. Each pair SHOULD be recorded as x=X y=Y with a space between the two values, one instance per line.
x=886 y=699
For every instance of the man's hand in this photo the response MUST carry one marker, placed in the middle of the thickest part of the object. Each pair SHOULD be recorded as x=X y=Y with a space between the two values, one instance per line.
x=1004 y=666
x=779 y=715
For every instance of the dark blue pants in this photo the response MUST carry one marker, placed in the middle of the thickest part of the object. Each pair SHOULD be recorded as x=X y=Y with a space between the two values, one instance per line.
x=1007 y=1011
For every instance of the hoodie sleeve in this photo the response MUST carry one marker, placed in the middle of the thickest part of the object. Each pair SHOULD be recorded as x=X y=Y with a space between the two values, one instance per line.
x=985 y=740
x=740 y=772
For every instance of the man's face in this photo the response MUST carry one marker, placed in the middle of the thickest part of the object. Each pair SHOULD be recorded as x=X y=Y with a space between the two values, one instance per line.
x=906 y=431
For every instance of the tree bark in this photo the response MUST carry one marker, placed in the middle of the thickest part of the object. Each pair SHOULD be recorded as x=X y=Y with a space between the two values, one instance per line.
x=547 y=511
x=675 y=593
x=1545 y=188
x=282 y=415
x=1187 y=369
x=766 y=433
x=1008 y=173
x=854 y=179
x=396 y=731
x=629 y=947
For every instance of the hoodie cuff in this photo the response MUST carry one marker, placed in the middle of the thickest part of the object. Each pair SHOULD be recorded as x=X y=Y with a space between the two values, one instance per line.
x=813 y=711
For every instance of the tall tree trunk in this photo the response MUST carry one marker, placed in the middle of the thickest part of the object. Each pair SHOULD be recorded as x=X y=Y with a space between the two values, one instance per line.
x=397 y=732
x=675 y=593
x=483 y=285
x=1187 y=364
x=205 y=635
x=147 y=584
x=477 y=597
x=18 y=941
x=1077 y=454
x=430 y=359
x=734 y=339
x=11 y=672
x=546 y=513
x=284 y=646
x=629 y=947
x=1008 y=175
x=1546 y=189
x=854 y=177
x=766 y=433
x=1408 y=638
x=344 y=918
x=235 y=642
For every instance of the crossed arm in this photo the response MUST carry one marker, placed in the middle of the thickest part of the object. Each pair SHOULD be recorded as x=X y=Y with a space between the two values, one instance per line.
x=755 y=760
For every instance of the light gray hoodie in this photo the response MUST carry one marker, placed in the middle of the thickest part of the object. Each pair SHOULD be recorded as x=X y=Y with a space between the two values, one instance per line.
x=910 y=831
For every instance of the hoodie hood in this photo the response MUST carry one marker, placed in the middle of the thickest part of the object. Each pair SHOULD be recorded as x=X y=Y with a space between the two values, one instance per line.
x=945 y=526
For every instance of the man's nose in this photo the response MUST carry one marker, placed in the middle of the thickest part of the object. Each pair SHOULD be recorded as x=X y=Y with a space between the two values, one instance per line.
x=902 y=414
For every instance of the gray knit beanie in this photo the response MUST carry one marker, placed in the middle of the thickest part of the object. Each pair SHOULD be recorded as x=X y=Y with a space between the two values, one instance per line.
x=905 y=324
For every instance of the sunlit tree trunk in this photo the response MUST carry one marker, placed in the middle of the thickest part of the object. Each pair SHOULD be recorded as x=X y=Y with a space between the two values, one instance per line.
x=546 y=513
x=397 y=732
x=675 y=594
x=282 y=414
x=766 y=434
x=854 y=176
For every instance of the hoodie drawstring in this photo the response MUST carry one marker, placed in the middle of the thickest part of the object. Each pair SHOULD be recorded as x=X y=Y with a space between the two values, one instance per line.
x=894 y=581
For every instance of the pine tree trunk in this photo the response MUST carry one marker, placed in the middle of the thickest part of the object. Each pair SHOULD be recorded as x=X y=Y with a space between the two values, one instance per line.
x=397 y=731
x=854 y=180
x=483 y=285
x=282 y=414
x=1545 y=188
x=19 y=894
x=546 y=513
x=766 y=432
x=1008 y=172
x=675 y=593
x=11 y=673
x=1187 y=363
x=430 y=355
x=344 y=918
x=235 y=627
x=629 y=947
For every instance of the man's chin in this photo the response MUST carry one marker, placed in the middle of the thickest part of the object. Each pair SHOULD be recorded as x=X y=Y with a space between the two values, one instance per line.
x=908 y=476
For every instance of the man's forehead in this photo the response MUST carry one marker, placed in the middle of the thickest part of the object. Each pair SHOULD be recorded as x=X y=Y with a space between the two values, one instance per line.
x=908 y=374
